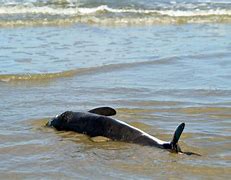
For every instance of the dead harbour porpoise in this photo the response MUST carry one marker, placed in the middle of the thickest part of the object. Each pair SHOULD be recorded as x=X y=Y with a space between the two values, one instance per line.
x=97 y=123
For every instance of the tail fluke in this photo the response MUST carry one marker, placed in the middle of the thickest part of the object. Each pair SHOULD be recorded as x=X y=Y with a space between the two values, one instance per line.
x=177 y=133
x=174 y=143
x=174 y=146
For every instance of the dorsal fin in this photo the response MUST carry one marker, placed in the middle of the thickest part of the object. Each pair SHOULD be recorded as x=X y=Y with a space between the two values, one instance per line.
x=177 y=133
x=106 y=111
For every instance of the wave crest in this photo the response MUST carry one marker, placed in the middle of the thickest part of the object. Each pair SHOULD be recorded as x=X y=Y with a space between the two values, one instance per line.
x=79 y=71
x=104 y=8
x=34 y=77
x=104 y=15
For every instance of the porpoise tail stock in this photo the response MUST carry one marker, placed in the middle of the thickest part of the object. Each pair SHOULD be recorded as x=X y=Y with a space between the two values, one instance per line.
x=173 y=145
x=97 y=122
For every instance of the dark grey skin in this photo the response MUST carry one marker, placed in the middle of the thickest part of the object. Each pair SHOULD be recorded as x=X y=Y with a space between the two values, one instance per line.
x=97 y=123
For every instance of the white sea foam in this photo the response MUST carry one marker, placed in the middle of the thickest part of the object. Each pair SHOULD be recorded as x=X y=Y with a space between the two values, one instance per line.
x=196 y=12
x=11 y=16
x=103 y=8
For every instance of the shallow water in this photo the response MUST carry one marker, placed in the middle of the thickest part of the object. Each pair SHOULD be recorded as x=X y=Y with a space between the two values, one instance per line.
x=156 y=76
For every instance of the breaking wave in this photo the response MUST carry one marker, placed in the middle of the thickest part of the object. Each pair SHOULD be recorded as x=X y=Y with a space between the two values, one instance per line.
x=21 y=15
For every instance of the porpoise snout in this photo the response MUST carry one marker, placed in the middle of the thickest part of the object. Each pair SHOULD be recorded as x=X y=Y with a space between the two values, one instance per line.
x=48 y=124
x=52 y=121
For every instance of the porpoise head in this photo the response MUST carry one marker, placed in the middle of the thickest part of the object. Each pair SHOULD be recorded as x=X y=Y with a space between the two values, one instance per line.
x=60 y=121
